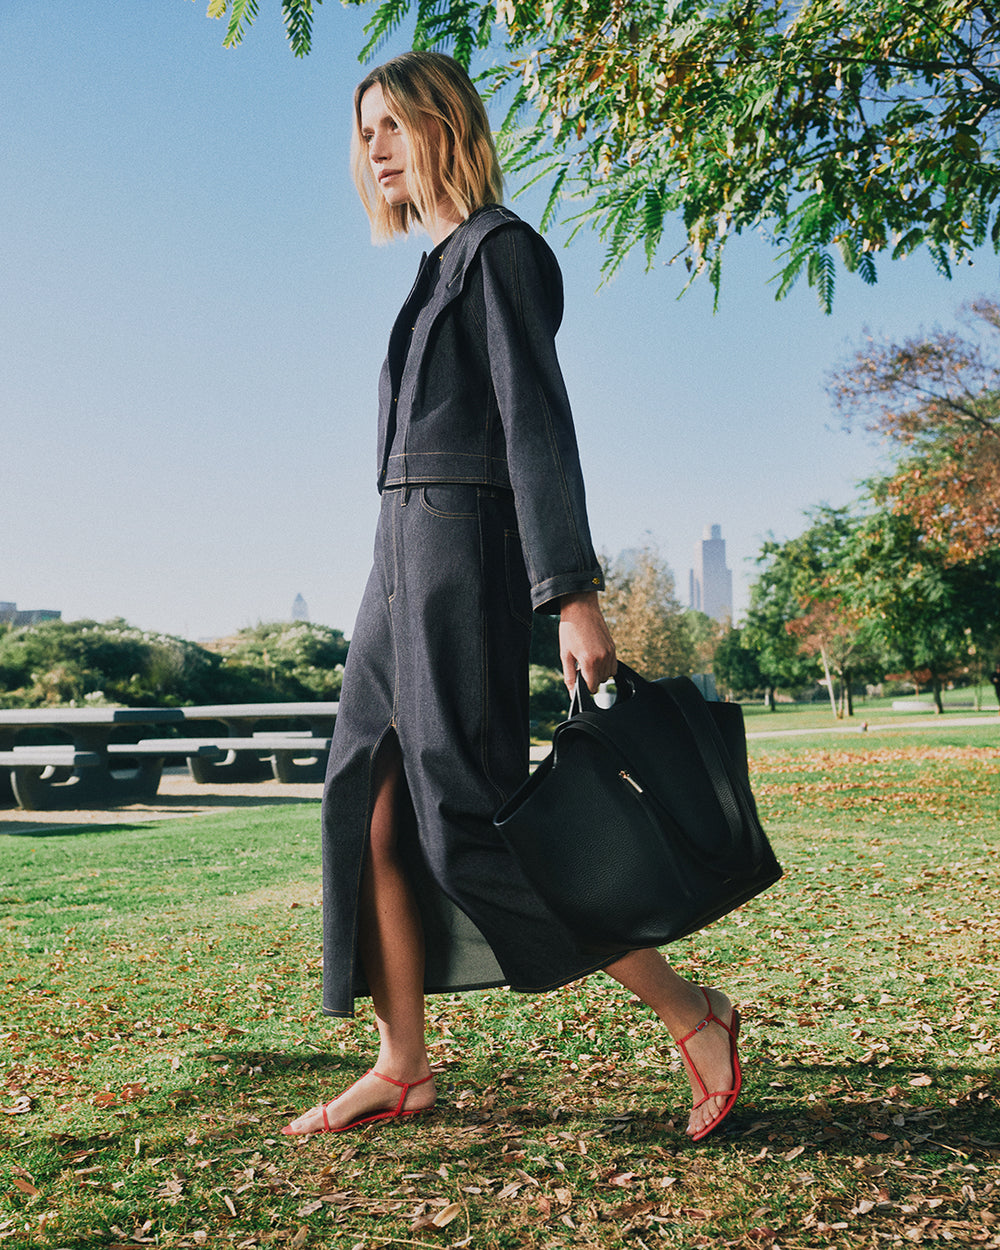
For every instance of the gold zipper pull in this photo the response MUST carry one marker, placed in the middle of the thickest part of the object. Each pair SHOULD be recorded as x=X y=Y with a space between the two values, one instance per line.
x=631 y=780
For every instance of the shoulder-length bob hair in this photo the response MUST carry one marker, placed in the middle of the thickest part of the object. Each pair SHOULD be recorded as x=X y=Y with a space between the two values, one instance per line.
x=451 y=147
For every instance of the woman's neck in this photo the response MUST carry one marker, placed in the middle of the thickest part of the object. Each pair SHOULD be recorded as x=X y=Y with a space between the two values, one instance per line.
x=445 y=219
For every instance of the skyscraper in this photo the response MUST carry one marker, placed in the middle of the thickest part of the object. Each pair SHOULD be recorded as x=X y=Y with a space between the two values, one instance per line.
x=710 y=582
x=300 y=609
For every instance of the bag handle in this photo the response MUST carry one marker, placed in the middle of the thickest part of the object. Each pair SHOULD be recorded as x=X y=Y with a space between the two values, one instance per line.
x=581 y=700
x=694 y=709
x=691 y=704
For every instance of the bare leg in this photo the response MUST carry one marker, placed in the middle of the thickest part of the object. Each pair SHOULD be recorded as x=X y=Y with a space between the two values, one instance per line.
x=392 y=955
x=681 y=1005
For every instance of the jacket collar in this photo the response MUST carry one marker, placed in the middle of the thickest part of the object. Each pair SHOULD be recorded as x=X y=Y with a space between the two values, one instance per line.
x=466 y=239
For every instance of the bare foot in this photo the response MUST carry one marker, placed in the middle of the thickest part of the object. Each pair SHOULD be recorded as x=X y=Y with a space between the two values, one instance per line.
x=371 y=1095
x=709 y=1057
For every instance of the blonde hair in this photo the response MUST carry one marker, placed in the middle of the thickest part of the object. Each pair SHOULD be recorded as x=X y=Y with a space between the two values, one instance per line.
x=451 y=147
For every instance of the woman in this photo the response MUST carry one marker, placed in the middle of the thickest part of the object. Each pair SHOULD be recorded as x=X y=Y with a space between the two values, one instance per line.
x=482 y=522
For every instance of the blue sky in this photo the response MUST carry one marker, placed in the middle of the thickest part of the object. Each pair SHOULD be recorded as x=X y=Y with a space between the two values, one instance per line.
x=193 y=320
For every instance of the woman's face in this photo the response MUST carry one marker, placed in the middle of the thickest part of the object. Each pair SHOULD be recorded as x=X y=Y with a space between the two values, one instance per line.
x=388 y=148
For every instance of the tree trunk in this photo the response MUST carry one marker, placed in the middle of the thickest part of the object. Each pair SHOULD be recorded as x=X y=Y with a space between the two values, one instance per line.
x=846 y=679
x=829 y=682
x=769 y=698
x=938 y=704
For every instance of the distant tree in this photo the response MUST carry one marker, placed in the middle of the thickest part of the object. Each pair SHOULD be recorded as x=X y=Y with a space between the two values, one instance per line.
x=704 y=632
x=545 y=641
x=925 y=608
x=286 y=660
x=548 y=699
x=826 y=625
x=644 y=615
x=776 y=600
x=935 y=399
x=856 y=130
x=76 y=662
x=735 y=666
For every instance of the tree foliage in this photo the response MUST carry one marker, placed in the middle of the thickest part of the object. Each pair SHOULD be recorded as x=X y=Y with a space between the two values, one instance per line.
x=735 y=667
x=935 y=398
x=84 y=662
x=828 y=626
x=80 y=663
x=929 y=613
x=866 y=595
x=776 y=600
x=847 y=131
x=239 y=15
x=648 y=623
x=301 y=660
x=705 y=633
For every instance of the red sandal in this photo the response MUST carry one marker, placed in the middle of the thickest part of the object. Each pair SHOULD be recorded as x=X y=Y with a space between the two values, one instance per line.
x=395 y=1113
x=730 y=1095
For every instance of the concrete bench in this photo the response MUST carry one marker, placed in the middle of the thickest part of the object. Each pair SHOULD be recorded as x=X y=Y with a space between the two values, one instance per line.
x=49 y=757
x=252 y=754
x=44 y=776
x=204 y=748
x=93 y=769
x=290 y=756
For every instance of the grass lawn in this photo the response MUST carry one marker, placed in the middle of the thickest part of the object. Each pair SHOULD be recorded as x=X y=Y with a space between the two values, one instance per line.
x=884 y=713
x=160 y=1023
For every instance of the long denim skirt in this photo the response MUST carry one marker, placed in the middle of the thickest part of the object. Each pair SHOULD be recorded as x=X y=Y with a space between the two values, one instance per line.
x=439 y=656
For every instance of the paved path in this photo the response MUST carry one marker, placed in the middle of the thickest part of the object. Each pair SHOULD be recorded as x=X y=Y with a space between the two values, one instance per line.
x=860 y=726
x=178 y=795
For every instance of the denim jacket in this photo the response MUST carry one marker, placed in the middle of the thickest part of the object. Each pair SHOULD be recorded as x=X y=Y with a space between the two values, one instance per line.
x=481 y=398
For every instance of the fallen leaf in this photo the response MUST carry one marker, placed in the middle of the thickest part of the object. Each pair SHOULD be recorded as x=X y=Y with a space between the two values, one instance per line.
x=25 y=1186
x=446 y=1216
x=299 y=1240
x=793 y=1153
x=623 y=1180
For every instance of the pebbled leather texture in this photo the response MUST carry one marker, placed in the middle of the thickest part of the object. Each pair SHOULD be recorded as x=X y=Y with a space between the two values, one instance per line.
x=640 y=826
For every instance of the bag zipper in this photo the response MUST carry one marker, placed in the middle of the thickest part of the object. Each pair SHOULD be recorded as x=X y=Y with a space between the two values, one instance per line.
x=627 y=776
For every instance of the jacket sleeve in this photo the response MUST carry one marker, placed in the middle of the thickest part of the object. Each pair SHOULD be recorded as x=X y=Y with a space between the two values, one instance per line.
x=522 y=289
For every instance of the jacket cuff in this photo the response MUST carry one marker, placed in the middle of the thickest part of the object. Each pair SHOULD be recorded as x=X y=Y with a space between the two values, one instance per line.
x=546 y=595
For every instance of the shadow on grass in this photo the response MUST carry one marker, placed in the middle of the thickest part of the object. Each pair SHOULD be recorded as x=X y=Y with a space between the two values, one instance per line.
x=167 y=807
x=173 y=803
x=863 y=1118
x=77 y=829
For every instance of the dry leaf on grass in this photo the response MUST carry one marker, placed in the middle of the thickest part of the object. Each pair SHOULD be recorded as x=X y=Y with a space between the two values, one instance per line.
x=445 y=1217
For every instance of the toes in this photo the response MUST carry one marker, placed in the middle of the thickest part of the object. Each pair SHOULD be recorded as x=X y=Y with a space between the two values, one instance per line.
x=302 y=1124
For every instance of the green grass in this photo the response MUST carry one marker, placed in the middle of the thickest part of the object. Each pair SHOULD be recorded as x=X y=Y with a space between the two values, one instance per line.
x=160 y=1023
x=958 y=704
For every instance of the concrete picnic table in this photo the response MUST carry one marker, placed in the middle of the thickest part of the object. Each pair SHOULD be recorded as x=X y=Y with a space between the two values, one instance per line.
x=58 y=758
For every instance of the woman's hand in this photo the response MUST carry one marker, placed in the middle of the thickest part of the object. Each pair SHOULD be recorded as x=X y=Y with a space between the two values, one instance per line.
x=585 y=642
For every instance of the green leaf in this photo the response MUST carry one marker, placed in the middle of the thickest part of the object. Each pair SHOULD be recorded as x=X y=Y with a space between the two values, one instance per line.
x=298 y=16
x=821 y=273
x=240 y=12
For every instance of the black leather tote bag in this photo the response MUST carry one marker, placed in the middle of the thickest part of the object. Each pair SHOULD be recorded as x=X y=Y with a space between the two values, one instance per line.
x=639 y=827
